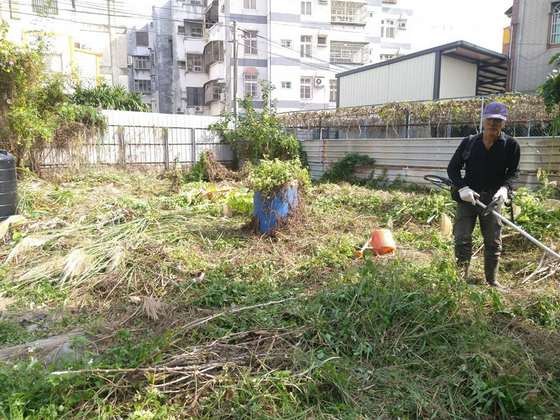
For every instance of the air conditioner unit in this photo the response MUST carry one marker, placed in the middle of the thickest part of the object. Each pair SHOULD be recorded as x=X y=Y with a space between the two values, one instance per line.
x=319 y=82
x=129 y=61
x=198 y=110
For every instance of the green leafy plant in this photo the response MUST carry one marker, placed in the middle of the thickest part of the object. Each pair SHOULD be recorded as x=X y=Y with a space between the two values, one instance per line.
x=344 y=169
x=271 y=175
x=34 y=108
x=108 y=97
x=550 y=92
x=257 y=135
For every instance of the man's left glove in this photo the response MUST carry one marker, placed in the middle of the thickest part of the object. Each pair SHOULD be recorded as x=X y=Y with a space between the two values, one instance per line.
x=501 y=195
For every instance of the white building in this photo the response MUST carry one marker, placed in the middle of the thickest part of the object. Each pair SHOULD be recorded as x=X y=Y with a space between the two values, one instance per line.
x=298 y=46
x=87 y=40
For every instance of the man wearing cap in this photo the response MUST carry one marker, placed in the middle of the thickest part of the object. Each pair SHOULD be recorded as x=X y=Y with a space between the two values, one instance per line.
x=490 y=161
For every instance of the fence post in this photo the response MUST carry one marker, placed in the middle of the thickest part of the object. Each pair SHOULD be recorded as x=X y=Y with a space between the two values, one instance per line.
x=193 y=146
x=166 y=148
x=122 y=146
x=407 y=124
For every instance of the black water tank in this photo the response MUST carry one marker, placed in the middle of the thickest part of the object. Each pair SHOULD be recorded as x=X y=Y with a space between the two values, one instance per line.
x=8 y=185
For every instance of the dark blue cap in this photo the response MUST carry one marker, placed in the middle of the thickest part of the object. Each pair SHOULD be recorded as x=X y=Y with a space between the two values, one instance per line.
x=495 y=110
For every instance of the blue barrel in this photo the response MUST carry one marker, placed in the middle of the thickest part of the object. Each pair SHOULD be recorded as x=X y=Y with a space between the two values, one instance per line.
x=270 y=211
x=8 y=185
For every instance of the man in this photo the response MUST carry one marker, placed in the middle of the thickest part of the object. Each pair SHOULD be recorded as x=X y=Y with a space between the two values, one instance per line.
x=491 y=161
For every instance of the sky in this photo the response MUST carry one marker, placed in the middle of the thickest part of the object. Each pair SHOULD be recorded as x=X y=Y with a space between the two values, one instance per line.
x=438 y=22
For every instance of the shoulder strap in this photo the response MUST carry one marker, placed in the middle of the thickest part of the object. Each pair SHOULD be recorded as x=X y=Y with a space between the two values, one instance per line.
x=468 y=148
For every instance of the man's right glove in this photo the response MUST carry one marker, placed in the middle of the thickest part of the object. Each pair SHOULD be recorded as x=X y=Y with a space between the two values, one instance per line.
x=468 y=195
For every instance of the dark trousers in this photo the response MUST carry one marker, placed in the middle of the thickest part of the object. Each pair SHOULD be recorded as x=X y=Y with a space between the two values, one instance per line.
x=491 y=228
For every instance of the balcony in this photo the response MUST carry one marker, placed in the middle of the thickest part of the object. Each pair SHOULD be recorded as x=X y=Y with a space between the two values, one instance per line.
x=354 y=53
x=212 y=14
x=214 y=91
x=213 y=53
x=349 y=13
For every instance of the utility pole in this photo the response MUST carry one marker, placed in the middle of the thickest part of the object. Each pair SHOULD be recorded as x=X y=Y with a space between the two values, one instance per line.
x=235 y=70
x=227 y=55
x=114 y=77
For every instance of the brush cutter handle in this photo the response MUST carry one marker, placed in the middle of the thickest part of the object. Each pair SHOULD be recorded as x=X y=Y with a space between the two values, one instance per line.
x=439 y=181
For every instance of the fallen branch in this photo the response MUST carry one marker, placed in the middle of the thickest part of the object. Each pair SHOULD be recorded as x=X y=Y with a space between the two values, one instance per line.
x=199 y=322
x=162 y=369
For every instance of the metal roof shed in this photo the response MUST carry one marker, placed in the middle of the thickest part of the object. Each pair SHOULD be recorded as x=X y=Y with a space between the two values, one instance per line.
x=458 y=69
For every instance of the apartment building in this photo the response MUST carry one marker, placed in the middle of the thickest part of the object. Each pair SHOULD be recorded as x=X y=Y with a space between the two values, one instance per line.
x=199 y=63
x=531 y=40
x=85 y=40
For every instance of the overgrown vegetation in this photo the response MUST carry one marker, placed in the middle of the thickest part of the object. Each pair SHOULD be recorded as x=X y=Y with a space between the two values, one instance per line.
x=345 y=169
x=185 y=313
x=271 y=175
x=550 y=92
x=257 y=135
x=108 y=97
x=34 y=110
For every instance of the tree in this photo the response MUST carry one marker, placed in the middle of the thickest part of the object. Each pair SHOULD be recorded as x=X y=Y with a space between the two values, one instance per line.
x=257 y=135
x=550 y=91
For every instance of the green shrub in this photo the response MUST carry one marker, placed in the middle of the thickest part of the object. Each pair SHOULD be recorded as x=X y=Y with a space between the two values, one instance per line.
x=344 y=169
x=271 y=175
x=108 y=97
x=257 y=135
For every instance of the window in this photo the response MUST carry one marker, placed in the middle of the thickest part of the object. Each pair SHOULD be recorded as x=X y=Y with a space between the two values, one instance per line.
x=385 y=57
x=287 y=43
x=402 y=24
x=251 y=42
x=193 y=29
x=322 y=40
x=348 y=52
x=142 y=62
x=305 y=50
x=332 y=92
x=194 y=63
x=250 y=84
x=555 y=24
x=45 y=7
x=249 y=4
x=195 y=96
x=181 y=30
x=348 y=12
x=306 y=8
x=181 y=64
x=306 y=91
x=143 y=86
x=286 y=85
x=142 y=39
x=388 y=28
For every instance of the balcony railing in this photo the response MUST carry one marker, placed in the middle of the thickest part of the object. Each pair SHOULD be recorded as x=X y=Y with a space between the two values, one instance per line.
x=348 y=52
x=348 y=13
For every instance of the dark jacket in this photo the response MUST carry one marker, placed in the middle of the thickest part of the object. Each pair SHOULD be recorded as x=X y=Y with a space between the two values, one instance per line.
x=485 y=170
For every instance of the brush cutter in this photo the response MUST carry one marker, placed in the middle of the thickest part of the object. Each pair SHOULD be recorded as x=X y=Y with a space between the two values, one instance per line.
x=446 y=184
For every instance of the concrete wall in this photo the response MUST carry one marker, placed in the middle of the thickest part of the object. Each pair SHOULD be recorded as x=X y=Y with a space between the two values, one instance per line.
x=458 y=78
x=408 y=80
x=411 y=159
x=531 y=51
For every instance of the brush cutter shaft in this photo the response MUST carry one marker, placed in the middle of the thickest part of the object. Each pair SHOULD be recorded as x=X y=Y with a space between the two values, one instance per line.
x=445 y=183
x=521 y=231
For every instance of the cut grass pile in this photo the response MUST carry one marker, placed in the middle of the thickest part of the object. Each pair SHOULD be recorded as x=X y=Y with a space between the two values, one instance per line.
x=187 y=313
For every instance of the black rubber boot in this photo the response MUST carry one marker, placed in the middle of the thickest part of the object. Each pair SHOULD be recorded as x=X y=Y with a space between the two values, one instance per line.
x=491 y=272
x=463 y=270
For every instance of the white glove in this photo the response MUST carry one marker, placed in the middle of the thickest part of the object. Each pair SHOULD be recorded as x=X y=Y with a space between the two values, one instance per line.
x=468 y=195
x=502 y=195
